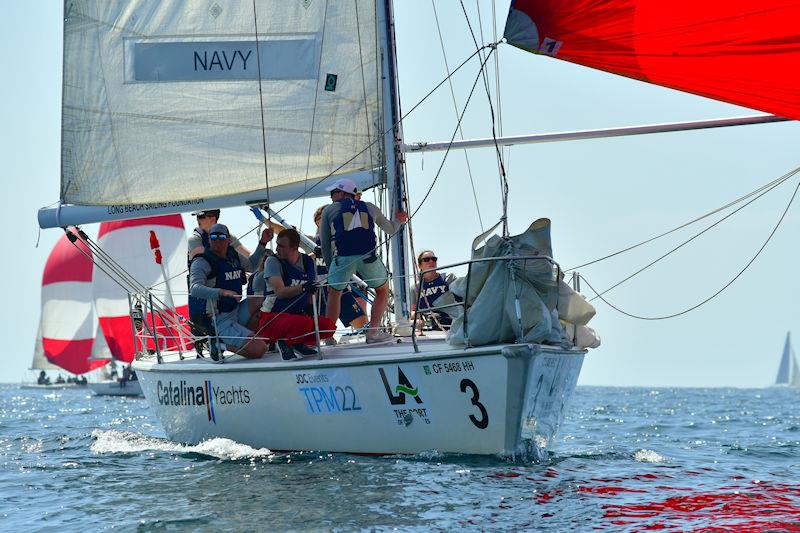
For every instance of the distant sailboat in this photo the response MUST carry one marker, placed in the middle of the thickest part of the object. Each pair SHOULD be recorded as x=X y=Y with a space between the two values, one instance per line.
x=66 y=329
x=788 y=371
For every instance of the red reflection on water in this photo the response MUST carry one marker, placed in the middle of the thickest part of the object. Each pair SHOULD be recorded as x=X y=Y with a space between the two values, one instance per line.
x=758 y=506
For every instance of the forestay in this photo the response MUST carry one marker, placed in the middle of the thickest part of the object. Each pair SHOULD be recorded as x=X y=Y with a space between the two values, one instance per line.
x=162 y=101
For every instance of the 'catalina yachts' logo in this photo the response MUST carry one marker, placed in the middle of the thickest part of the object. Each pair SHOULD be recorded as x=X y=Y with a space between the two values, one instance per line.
x=205 y=395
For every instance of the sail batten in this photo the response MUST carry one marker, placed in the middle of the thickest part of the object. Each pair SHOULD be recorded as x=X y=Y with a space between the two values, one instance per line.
x=162 y=100
x=744 y=53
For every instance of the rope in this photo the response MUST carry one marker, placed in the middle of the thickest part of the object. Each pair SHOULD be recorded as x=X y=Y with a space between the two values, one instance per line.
x=724 y=287
x=687 y=241
x=772 y=184
x=498 y=150
x=387 y=131
x=314 y=112
x=455 y=107
x=261 y=101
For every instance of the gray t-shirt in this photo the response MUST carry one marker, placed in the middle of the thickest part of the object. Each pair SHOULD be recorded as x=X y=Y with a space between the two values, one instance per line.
x=203 y=286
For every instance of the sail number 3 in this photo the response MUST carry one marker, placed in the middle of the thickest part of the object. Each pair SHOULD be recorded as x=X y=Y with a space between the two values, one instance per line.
x=483 y=421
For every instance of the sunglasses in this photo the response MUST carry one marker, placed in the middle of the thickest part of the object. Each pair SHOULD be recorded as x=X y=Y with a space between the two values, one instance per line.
x=201 y=217
x=215 y=236
x=429 y=259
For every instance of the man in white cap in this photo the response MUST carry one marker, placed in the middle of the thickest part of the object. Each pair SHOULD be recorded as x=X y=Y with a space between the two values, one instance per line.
x=350 y=225
x=217 y=276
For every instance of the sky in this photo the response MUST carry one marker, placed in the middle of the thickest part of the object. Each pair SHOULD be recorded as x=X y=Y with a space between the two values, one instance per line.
x=601 y=195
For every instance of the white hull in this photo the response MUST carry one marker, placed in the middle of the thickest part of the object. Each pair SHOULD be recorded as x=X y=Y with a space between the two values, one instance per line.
x=52 y=386
x=371 y=400
x=116 y=388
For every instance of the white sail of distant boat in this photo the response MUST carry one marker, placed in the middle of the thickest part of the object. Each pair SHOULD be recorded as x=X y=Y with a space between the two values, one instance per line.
x=788 y=371
x=40 y=362
x=177 y=106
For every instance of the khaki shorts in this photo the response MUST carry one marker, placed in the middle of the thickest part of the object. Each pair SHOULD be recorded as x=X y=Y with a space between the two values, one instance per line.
x=372 y=272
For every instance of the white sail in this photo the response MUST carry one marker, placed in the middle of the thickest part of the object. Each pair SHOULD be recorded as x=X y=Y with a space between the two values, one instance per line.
x=162 y=100
x=788 y=372
x=39 y=361
x=100 y=350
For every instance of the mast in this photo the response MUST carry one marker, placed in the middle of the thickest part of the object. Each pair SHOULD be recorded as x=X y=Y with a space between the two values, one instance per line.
x=394 y=159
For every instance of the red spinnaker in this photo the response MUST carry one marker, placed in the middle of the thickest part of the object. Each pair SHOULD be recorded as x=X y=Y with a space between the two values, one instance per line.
x=741 y=52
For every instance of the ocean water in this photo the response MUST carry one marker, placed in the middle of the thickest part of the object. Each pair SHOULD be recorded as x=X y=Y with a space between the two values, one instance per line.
x=628 y=459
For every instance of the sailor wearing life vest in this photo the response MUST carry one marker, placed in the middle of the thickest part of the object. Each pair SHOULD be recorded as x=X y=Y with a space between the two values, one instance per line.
x=198 y=243
x=351 y=311
x=286 y=313
x=348 y=241
x=433 y=286
x=217 y=276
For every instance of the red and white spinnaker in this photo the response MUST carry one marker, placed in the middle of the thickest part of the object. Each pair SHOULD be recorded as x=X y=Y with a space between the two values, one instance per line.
x=128 y=243
x=68 y=323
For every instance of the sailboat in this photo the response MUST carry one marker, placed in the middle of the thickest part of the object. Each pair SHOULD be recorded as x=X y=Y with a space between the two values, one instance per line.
x=180 y=106
x=788 y=371
x=65 y=339
x=128 y=243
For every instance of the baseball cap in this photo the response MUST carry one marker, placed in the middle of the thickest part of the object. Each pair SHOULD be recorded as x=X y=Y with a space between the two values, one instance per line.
x=344 y=185
x=219 y=228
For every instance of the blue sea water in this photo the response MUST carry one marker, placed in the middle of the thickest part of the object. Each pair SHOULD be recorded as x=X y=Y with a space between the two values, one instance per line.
x=628 y=459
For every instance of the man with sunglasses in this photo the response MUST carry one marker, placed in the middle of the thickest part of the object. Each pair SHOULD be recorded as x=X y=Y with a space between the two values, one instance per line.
x=349 y=225
x=217 y=276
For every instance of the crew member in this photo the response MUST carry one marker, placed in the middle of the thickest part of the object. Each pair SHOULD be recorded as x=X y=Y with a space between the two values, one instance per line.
x=350 y=225
x=434 y=285
x=290 y=284
x=217 y=276
x=351 y=312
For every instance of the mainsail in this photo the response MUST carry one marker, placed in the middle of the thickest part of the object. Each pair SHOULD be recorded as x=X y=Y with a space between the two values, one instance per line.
x=168 y=104
x=744 y=53
x=128 y=243
x=788 y=371
x=67 y=322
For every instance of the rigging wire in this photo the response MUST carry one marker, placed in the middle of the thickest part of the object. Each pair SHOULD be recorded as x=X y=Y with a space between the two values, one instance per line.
x=498 y=150
x=314 y=111
x=387 y=131
x=455 y=107
x=363 y=86
x=777 y=181
x=724 y=287
x=453 y=137
x=261 y=101
x=690 y=239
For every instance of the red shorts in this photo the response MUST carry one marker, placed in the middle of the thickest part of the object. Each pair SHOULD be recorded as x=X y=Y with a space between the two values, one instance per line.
x=294 y=329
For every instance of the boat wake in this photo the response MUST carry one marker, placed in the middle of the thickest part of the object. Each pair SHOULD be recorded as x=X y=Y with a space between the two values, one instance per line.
x=118 y=441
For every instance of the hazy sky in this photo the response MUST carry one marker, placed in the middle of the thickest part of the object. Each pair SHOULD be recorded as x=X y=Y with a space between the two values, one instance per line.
x=602 y=195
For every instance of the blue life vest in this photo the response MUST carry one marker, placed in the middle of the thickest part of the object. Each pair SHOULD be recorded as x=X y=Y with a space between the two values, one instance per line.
x=431 y=290
x=229 y=275
x=354 y=236
x=292 y=275
x=197 y=306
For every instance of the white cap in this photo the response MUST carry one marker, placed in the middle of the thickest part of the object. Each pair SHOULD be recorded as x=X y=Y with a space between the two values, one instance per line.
x=344 y=185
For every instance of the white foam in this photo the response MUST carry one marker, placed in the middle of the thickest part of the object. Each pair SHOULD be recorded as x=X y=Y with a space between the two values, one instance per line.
x=649 y=456
x=117 y=441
